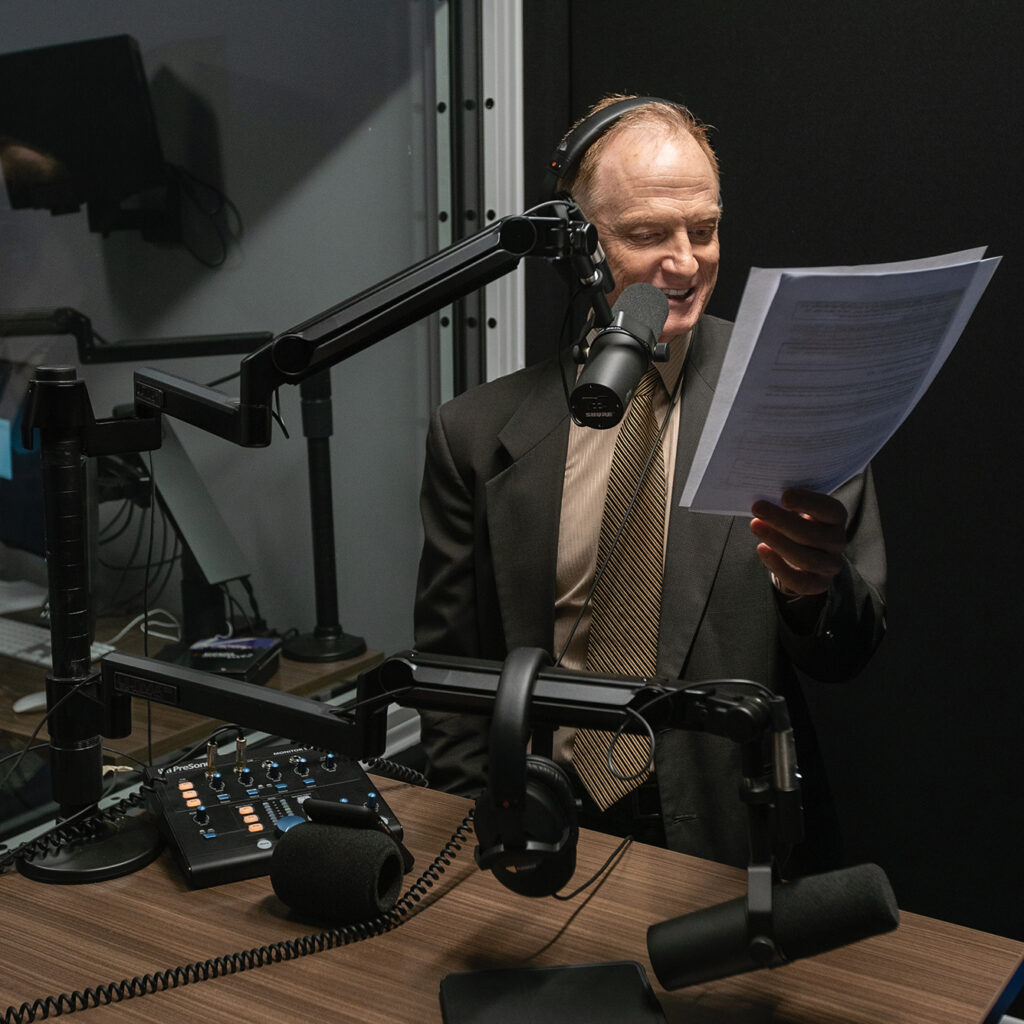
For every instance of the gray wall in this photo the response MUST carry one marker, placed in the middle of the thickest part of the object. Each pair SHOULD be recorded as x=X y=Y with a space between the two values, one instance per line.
x=315 y=115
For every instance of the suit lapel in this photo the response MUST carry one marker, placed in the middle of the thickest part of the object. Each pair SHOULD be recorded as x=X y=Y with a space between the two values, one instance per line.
x=524 y=504
x=523 y=507
x=696 y=541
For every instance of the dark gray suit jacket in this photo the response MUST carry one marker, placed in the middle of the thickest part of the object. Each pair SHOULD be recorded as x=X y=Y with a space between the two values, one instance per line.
x=490 y=505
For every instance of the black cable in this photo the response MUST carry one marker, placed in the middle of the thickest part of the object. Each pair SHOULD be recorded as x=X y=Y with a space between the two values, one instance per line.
x=234 y=604
x=35 y=732
x=276 y=414
x=247 y=586
x=409 y=904
x=214 y=737
x=216 y=383
x=191 y=188
x=82 y=825
x=602 y=870
x=105 y=534
x=394 y=770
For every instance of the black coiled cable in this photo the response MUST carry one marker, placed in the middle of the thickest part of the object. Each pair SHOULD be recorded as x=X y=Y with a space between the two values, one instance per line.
x=395 y=770
x=69 y=832
x=250 y=959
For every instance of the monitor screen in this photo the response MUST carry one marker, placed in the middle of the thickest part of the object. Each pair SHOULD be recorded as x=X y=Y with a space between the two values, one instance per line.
x=21 y=482
x=77 y=126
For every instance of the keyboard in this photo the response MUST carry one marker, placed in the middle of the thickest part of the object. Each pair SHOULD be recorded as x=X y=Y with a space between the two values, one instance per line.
x=25 y=641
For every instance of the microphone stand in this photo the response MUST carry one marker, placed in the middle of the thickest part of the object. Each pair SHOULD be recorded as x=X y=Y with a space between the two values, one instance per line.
x=58 y=405
x=328 y=641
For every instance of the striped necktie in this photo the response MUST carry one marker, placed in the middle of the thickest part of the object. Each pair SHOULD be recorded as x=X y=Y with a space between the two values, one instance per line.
x=626 y=604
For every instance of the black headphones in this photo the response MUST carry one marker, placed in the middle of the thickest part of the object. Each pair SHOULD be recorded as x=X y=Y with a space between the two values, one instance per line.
x=569 y=152
x=526 y=818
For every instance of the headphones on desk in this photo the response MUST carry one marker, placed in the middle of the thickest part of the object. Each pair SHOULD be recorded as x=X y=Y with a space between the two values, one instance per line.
x=525 y=820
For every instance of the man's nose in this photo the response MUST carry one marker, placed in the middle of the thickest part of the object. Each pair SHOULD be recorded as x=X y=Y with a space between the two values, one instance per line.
x=679 y=257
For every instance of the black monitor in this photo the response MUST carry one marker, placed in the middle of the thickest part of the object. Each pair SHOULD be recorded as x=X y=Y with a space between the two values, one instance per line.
x=21 y=519
x=77 y=128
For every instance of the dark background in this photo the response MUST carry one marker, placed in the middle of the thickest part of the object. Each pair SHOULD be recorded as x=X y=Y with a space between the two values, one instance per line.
x=885 y=130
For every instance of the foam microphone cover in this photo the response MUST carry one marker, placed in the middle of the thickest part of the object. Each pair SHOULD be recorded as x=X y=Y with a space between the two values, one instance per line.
x=336 y=874
x=644 y=303
x=810 y=915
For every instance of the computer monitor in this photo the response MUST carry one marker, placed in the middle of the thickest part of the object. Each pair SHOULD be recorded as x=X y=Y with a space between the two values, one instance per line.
x=22 y=509
x=21 y=474
x=77 y=128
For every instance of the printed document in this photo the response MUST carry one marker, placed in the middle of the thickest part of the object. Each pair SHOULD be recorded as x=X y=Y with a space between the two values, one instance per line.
x=823 y=366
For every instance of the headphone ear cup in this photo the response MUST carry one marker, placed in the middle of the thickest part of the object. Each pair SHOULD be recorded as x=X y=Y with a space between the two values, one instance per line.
x=549 y=816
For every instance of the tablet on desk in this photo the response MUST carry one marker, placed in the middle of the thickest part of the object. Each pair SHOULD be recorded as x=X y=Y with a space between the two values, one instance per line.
x=608 y=993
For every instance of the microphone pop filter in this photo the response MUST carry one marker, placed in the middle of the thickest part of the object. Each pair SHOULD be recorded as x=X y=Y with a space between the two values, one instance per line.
x=336 y=874
x=810 y=915
x=645 y=306
x=822 y=912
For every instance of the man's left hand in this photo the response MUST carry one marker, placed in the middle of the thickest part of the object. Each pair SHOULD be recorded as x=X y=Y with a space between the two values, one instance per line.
x=802 y=542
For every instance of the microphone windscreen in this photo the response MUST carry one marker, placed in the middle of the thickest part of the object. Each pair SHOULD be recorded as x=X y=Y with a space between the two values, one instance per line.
x=336 y=874
x=822 y=912
x=645 y=303
x=809 y=916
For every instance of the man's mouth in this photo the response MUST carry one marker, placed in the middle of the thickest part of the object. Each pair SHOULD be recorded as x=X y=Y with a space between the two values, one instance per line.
x=678 y=293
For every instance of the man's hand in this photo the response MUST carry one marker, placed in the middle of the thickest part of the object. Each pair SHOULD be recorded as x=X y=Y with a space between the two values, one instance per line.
x=802 y=543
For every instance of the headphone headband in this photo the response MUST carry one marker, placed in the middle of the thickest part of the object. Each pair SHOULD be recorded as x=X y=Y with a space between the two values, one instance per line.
x=510 y=726
x=570 y=150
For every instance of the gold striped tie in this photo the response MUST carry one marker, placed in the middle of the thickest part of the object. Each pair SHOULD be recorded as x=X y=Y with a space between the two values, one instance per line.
x=627 y=599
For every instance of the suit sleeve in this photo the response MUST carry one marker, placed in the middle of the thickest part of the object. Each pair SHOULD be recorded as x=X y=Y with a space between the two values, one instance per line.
x=833 y=642
x=445 y=612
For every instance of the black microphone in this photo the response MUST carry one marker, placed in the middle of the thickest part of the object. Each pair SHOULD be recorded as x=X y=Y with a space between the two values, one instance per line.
x=618 y=357
x=809 y=916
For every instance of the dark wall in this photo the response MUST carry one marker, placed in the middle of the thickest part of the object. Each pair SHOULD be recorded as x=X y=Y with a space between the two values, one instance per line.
x=865 y=133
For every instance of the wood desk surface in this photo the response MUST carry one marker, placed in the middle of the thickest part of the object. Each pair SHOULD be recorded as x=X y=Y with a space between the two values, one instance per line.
x=59 y=939
x=170 y=728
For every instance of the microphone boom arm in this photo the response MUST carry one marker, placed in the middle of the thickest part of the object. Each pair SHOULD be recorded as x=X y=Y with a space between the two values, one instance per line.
x=351 y=326
x=745 y=712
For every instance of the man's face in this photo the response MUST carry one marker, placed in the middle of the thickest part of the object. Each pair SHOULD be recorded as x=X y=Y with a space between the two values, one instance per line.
x=654 y=203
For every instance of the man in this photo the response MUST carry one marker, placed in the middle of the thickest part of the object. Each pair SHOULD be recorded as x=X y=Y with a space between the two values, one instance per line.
x=512 y=505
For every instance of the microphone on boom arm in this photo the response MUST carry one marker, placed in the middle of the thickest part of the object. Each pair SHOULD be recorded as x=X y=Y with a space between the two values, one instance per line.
x=618 y=357
x=808 y=916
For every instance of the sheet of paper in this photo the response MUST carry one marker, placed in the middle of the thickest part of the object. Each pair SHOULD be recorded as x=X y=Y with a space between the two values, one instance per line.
x=823 y=366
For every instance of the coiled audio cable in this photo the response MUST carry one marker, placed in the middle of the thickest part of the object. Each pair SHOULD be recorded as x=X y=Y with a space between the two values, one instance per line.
x=405 y=907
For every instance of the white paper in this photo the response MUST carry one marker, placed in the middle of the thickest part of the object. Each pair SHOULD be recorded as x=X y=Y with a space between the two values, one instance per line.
x=823 y=366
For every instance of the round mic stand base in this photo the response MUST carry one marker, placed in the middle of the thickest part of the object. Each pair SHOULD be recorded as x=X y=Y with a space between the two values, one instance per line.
x=323 y=644
x=117 y=848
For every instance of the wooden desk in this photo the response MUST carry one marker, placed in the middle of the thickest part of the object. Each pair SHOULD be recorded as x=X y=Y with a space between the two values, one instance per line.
x=171 y=728
x=64 y=938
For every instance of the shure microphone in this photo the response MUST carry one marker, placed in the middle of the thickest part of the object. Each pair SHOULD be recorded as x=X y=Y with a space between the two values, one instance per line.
x=618 y=357
x=809 y=916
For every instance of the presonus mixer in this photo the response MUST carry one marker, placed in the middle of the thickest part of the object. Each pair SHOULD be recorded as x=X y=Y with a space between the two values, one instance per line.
x=222 y=816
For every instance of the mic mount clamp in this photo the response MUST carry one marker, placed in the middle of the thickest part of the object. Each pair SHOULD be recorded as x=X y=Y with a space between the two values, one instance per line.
x=627 y=330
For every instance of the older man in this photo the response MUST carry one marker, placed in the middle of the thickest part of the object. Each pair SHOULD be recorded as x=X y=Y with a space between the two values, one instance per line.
x=513 y=499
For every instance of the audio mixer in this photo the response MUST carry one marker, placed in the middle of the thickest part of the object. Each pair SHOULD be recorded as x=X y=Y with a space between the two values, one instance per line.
x=223 y=815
